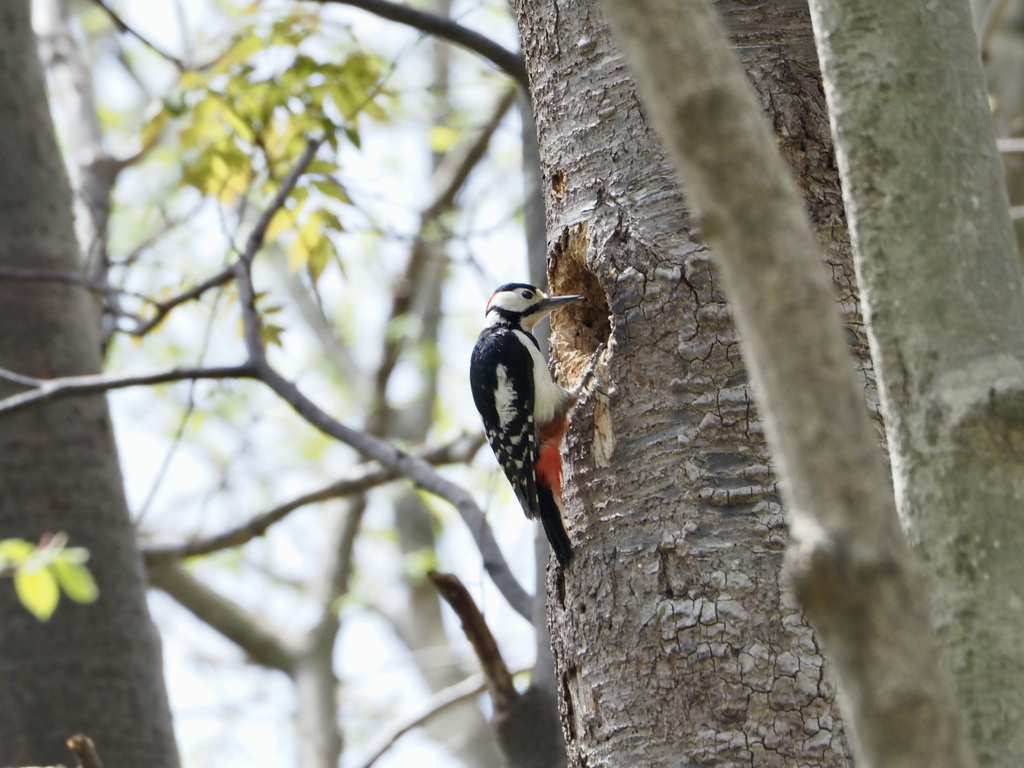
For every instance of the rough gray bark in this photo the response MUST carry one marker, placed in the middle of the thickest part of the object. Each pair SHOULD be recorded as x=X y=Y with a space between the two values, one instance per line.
x=945 y=307
x=850 y=567
x=92 y=668
x=672 y=638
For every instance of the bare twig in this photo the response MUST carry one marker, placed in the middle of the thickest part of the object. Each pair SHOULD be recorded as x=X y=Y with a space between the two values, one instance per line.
x=264 y=644
x=362 y=479
x=437 y=704
x=85 y=751
x=474 y=625
x=253 y=244
x=243 y=267
x=44 y=390
x=988 y=25
x=1010 y=146
x=417 y=470
x=179 y=433
x=53 y=275
x=99 y=288
x=163 y=308
x=456 y=171
x=446 y=29
x=255 y=241
x=465 y=159
x=123 y=27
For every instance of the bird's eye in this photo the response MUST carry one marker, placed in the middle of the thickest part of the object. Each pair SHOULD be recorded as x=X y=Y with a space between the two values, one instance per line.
x=527 y=294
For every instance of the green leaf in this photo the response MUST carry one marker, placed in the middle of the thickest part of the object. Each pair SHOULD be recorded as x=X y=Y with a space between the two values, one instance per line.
x=418 y=563
x=15 y=551
x=282 y=221
x=333 y=189
x=442 y=138
x=37 y=590
x=151 y=131
x=76 y=581
x=270 y=334
x=319 y=258
x=243 y=47
x=74 y=555
x=376 y=111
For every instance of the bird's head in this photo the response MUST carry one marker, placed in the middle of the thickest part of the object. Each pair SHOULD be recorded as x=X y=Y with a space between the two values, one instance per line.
x=523 y=304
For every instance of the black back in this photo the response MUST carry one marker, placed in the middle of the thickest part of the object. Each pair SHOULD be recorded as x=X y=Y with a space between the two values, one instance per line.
x=514 y=443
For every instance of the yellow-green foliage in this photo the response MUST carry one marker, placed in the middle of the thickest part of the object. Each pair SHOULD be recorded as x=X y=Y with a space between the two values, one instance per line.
x=243 y=121
x=40 y=572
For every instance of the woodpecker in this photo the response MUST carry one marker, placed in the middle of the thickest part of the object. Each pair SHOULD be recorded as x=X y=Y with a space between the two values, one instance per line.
x=525 y=413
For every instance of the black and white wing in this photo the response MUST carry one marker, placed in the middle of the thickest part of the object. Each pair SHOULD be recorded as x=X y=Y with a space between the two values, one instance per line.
x=501 y=377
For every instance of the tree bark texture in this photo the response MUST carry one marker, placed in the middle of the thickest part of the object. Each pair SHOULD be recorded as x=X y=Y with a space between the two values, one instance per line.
x=850 y=567
x=674 y=642
x=937 y=257
x=96 y=668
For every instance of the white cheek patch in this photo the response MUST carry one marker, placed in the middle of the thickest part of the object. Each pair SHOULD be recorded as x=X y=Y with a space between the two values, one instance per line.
x=504 y=397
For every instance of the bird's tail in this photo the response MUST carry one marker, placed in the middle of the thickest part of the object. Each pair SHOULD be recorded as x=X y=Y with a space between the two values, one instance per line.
x=550 y=512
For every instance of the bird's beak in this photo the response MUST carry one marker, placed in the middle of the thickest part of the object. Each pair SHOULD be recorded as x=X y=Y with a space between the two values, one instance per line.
x=554 y=302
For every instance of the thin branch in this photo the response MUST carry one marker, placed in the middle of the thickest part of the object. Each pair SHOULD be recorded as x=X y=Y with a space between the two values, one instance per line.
x=461 y=166
x=123 y=28
x=417 y=470
x=85 y=751
x=362 y=479
x=167 y=224
x=243 y=267
x=1010 y=146
x=76 y=278
x=437 y=704
x=264 y=644
x=163 y=308
x=446 y=29
x=468 y=158
x=255 y=241
x=53 y=275
x=44 y=390
x=989 y=23
x=474 y=625
x=172 y=449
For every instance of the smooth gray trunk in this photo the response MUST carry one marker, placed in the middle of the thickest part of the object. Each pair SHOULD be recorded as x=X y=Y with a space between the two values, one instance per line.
x=94 y=669
x=944 y=304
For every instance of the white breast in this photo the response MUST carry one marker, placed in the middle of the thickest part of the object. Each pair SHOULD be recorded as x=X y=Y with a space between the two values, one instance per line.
x=548 y=397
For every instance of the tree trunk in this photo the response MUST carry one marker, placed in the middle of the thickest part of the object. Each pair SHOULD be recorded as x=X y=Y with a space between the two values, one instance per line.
x=93 y=668
x=938 y=260
x=673 y=639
